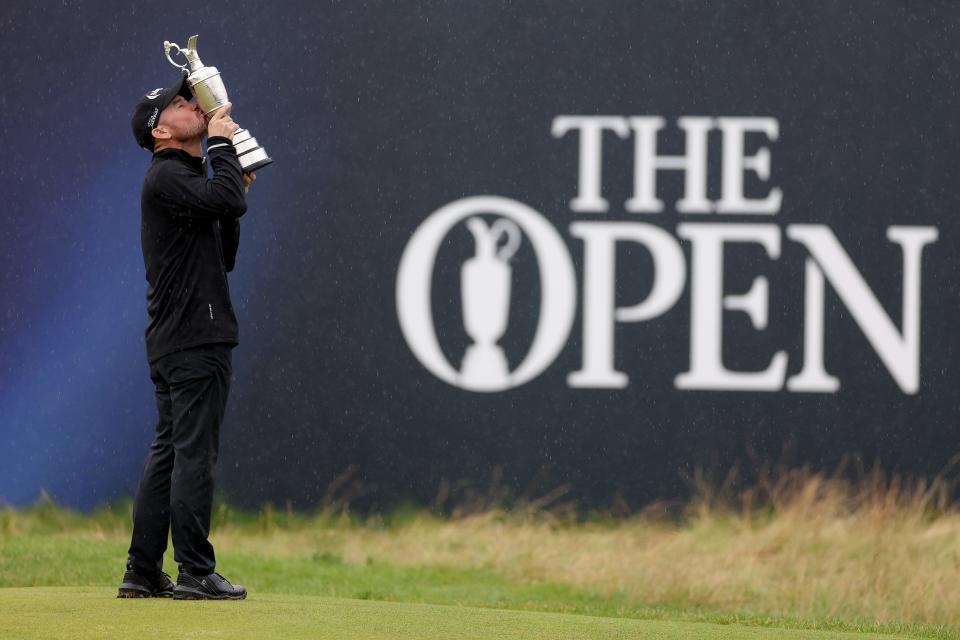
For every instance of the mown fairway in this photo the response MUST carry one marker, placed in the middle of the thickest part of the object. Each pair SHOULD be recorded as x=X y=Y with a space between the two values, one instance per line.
x=81 y=613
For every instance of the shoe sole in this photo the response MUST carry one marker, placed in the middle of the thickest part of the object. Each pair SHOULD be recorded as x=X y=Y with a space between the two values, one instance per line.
x=137 y=593
x=186 y=593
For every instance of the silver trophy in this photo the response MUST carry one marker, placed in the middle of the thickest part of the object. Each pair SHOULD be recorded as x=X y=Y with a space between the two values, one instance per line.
x=207 y=87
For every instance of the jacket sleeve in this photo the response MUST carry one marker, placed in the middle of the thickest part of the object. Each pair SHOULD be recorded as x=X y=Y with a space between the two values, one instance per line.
x=229 y=240
x=197 y=196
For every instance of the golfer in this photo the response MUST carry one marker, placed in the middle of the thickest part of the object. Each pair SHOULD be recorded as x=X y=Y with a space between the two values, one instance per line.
x=189 y=233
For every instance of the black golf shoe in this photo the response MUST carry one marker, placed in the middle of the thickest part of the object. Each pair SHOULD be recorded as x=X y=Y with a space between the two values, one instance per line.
x=210 y=587
x=140 y=585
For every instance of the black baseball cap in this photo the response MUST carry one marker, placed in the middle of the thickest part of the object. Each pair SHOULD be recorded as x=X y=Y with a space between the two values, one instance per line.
x=147 y=112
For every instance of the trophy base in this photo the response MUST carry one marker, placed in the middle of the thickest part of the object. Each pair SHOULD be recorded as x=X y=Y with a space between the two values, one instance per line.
x=484 y=368
x=259 y=164
x=251 y=155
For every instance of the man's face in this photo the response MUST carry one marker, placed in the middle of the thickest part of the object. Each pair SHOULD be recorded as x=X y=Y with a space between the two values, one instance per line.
x=183 y=120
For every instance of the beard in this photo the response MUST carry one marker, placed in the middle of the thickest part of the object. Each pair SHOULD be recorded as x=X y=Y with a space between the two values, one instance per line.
x=192 y=131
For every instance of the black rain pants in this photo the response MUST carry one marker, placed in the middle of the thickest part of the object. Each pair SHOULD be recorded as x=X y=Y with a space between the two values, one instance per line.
x=176 y=486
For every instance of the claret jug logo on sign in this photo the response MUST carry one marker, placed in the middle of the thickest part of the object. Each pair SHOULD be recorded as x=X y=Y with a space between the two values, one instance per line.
x=486 y=277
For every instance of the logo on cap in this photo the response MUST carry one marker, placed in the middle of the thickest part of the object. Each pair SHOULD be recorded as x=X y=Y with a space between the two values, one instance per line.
x=154 y=94
x=153 y=117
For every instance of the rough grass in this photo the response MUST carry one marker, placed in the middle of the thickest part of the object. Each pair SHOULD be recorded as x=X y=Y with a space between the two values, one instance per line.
x=883 y=552
x=795 y=549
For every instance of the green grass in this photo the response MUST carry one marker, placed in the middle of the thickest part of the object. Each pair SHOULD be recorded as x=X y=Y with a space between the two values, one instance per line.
x=81 y=613
x=810 y=567
x=61 y=560
x=319 y=596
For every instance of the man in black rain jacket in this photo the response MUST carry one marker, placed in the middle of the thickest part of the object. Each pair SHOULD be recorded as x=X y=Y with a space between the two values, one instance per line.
x=189 y=233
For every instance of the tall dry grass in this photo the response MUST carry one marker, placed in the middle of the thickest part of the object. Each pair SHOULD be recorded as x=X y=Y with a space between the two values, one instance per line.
x=876 y=549
x=860 y=547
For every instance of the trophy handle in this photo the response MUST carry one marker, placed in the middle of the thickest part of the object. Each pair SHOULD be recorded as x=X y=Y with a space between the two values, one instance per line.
x=507 y=226
x=172 y=45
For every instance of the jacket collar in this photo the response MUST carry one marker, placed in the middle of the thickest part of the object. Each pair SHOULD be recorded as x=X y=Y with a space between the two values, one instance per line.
x=179 y=154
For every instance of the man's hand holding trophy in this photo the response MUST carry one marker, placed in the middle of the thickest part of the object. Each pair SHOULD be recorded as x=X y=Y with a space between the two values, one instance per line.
x=221 y=124
x=207 y=87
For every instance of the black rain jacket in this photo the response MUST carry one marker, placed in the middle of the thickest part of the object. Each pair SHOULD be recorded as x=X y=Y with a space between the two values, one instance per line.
x=190 y=232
